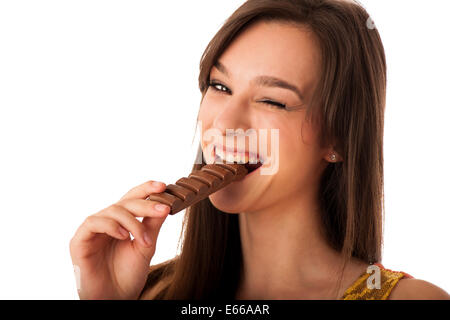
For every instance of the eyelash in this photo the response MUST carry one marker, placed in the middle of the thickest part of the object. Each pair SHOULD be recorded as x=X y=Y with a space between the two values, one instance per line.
x=271 y=103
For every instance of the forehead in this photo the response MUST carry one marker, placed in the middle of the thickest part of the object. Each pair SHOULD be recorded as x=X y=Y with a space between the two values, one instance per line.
x=277 y=49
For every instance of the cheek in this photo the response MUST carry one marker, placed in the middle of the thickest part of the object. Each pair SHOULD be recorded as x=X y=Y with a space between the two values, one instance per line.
x=202 y=114
x=208 y=111
x=206 y=120
x=299 y=153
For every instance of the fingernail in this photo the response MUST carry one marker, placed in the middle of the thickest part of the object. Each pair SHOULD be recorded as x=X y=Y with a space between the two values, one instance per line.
x=123 y=232
x=161 y=207
x=157 y=183
x=147 y=239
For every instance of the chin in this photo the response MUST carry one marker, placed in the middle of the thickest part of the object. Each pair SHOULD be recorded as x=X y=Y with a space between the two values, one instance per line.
x=226 y=202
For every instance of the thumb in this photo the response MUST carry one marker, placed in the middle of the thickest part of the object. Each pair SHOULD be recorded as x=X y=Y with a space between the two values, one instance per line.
x=152 y=227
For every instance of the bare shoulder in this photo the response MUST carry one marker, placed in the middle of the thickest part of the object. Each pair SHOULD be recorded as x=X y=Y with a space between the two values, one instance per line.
x=416 y=289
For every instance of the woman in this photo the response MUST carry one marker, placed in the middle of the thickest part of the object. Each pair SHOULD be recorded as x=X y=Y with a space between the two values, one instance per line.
x=311 y=230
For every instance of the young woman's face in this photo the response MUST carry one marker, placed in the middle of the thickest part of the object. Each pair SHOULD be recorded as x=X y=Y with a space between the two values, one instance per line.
x=236 y=101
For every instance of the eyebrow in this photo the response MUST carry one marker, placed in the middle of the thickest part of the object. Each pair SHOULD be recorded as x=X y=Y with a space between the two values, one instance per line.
x=267 y=81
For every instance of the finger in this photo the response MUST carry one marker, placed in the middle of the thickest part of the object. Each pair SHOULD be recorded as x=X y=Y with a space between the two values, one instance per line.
x=145 y=208
x=129 y=222
x=144 y=190
x=94 y=225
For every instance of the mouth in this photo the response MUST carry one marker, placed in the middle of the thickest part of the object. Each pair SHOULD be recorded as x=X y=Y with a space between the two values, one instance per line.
x=251 y=163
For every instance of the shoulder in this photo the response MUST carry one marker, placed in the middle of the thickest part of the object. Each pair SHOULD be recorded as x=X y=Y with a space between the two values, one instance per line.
x=158 y=279
x=416 y=289
x=386 y=284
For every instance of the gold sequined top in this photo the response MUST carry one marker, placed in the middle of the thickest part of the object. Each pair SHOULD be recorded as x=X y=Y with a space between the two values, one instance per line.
x=375 y=284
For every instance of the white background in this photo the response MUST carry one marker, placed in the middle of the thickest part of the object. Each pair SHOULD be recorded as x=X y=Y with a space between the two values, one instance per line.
x=97 y=97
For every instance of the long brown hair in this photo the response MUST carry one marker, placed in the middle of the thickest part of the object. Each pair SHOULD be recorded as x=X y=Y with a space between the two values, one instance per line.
x=348 y=106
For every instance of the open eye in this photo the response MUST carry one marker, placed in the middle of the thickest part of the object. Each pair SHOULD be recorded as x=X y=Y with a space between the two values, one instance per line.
x=214 y=84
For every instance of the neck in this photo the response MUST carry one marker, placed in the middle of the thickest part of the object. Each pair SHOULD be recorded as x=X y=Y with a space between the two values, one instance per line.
x=286 y=257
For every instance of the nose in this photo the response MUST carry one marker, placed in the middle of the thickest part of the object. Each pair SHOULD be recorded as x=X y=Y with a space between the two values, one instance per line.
x=231 y=115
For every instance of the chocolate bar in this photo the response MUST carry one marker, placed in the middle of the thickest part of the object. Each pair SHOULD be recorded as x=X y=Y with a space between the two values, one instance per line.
x=200 y=184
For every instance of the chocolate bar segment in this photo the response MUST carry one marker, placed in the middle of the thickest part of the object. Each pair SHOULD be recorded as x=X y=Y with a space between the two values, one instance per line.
x=180 y=192
x=199 y=185
x=238 y=169
x=172 y=201
x=205 y=177
x=218 y=171
x=192 y=184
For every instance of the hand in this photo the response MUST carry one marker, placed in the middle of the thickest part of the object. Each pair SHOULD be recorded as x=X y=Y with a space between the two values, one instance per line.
x=111 y=265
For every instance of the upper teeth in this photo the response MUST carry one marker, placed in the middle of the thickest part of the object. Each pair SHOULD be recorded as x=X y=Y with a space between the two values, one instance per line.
x=239 y=158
